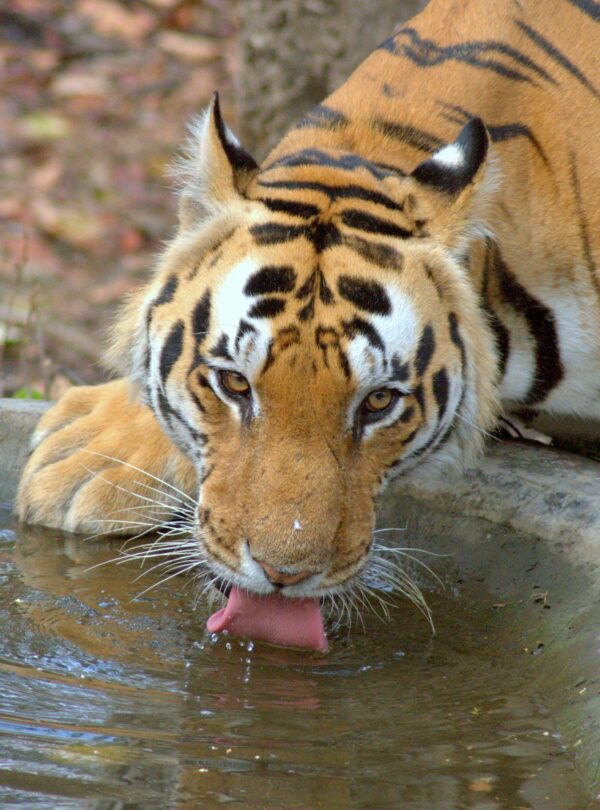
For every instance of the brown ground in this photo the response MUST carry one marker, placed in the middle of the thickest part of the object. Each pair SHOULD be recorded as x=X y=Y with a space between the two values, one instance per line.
x=94 y=97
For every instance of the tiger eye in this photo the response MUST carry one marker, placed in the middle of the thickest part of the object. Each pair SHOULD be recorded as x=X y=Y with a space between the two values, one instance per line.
x=235 y=383
x=379 y=400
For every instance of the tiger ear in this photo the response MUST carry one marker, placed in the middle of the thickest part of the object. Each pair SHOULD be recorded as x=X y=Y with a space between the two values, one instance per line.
x=215 y=169
x=459 y=164
x=451 y=191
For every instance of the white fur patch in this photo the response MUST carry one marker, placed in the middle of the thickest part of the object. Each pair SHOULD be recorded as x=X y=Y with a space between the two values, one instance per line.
x=230 y=306
x=452 y=156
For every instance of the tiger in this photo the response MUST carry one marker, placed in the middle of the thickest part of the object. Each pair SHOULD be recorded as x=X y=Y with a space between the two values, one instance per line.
x=418 y=255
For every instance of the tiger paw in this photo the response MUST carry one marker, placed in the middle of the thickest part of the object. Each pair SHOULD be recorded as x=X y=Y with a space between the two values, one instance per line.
x=100 y=463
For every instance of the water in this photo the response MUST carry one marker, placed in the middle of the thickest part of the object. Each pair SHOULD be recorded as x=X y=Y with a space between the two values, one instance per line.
x=108 y=701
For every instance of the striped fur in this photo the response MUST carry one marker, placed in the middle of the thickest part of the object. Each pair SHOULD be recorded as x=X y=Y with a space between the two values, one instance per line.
x=391 y=243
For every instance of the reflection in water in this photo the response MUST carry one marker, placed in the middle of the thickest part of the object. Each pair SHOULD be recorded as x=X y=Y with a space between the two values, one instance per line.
x=111 y=701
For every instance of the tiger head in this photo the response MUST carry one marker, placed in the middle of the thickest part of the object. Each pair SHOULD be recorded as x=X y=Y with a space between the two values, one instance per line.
x=310 y=334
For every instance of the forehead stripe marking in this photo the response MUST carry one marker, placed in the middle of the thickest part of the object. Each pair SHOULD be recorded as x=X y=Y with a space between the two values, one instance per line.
x=271 y=279
x=384 y=256
x=358 y=326
x=316 y=157
x=267 y=308
x=321 y=234
x=335 y=192
x=362 y=221
x=367 y=295
x=295 y=209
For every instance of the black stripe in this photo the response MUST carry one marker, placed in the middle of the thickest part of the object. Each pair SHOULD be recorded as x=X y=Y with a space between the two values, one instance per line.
x=360 y=220
x=200 y=326
x=169 y=412
x=221 y=348
x=358 y=326
x=295 y=209
x=327 y=338
x=384 y=256
x=558 y=56
x=400 y=371
x=165 y=296
x=364 y=294
x=171 y=351
x=201 y=317
x=271 y=279
x=314 y=284
x=583 y=228
x=324 y=235
x=438 y=438
x=456 y=338
x=498 y=132
x=432 y=277
x=274 y=233
x=477 y=54
x=425 y=350
x=407 y=414
x=440 y=387
x=589 y=7
x=323 y=117
x=167 y=292
x=317 y=157
x=267 y=308
x=419 y=395
x=501 y=333
x=540 y=320
x=335 y=192
x=321 y=234
x=325 y=294
x=244 y=328
x=417 y=138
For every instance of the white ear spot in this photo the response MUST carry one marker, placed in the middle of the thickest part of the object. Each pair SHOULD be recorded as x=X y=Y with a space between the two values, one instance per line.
x=452 y=156
x=232 y=138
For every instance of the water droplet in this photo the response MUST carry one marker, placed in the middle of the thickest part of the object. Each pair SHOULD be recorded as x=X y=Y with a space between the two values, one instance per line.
x=250 y=646
x=228 y=645
x=213 y=638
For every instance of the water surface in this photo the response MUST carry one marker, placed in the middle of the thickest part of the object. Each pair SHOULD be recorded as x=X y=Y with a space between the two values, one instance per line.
x=112 y=701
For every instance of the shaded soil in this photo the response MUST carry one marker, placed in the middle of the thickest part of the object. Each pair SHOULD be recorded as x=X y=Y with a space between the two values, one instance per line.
x=94 y=98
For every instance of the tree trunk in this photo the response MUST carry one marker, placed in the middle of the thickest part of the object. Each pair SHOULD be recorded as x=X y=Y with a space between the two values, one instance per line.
x=295 y=52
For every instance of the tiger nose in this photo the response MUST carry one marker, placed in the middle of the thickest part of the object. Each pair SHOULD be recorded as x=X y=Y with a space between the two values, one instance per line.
x=281 y=578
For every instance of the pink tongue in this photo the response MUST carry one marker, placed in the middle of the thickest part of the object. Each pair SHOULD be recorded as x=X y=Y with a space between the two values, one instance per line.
x=273 y=618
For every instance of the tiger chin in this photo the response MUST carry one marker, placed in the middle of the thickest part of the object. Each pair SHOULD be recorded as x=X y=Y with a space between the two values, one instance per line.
x=318 y=326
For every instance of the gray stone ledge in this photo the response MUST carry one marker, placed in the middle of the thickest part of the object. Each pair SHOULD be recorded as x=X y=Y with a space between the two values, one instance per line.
x=549 y=493
x=18 y=417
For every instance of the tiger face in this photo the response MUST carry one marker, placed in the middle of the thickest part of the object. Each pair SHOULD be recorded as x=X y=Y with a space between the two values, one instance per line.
x=309 y=336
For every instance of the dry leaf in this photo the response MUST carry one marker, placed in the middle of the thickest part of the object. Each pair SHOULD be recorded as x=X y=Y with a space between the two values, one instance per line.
x=44 y=126
x=190 y=48
x=79 y=84
x=111 y=19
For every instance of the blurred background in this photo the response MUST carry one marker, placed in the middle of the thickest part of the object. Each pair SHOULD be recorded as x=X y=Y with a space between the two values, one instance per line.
x=94 y=99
